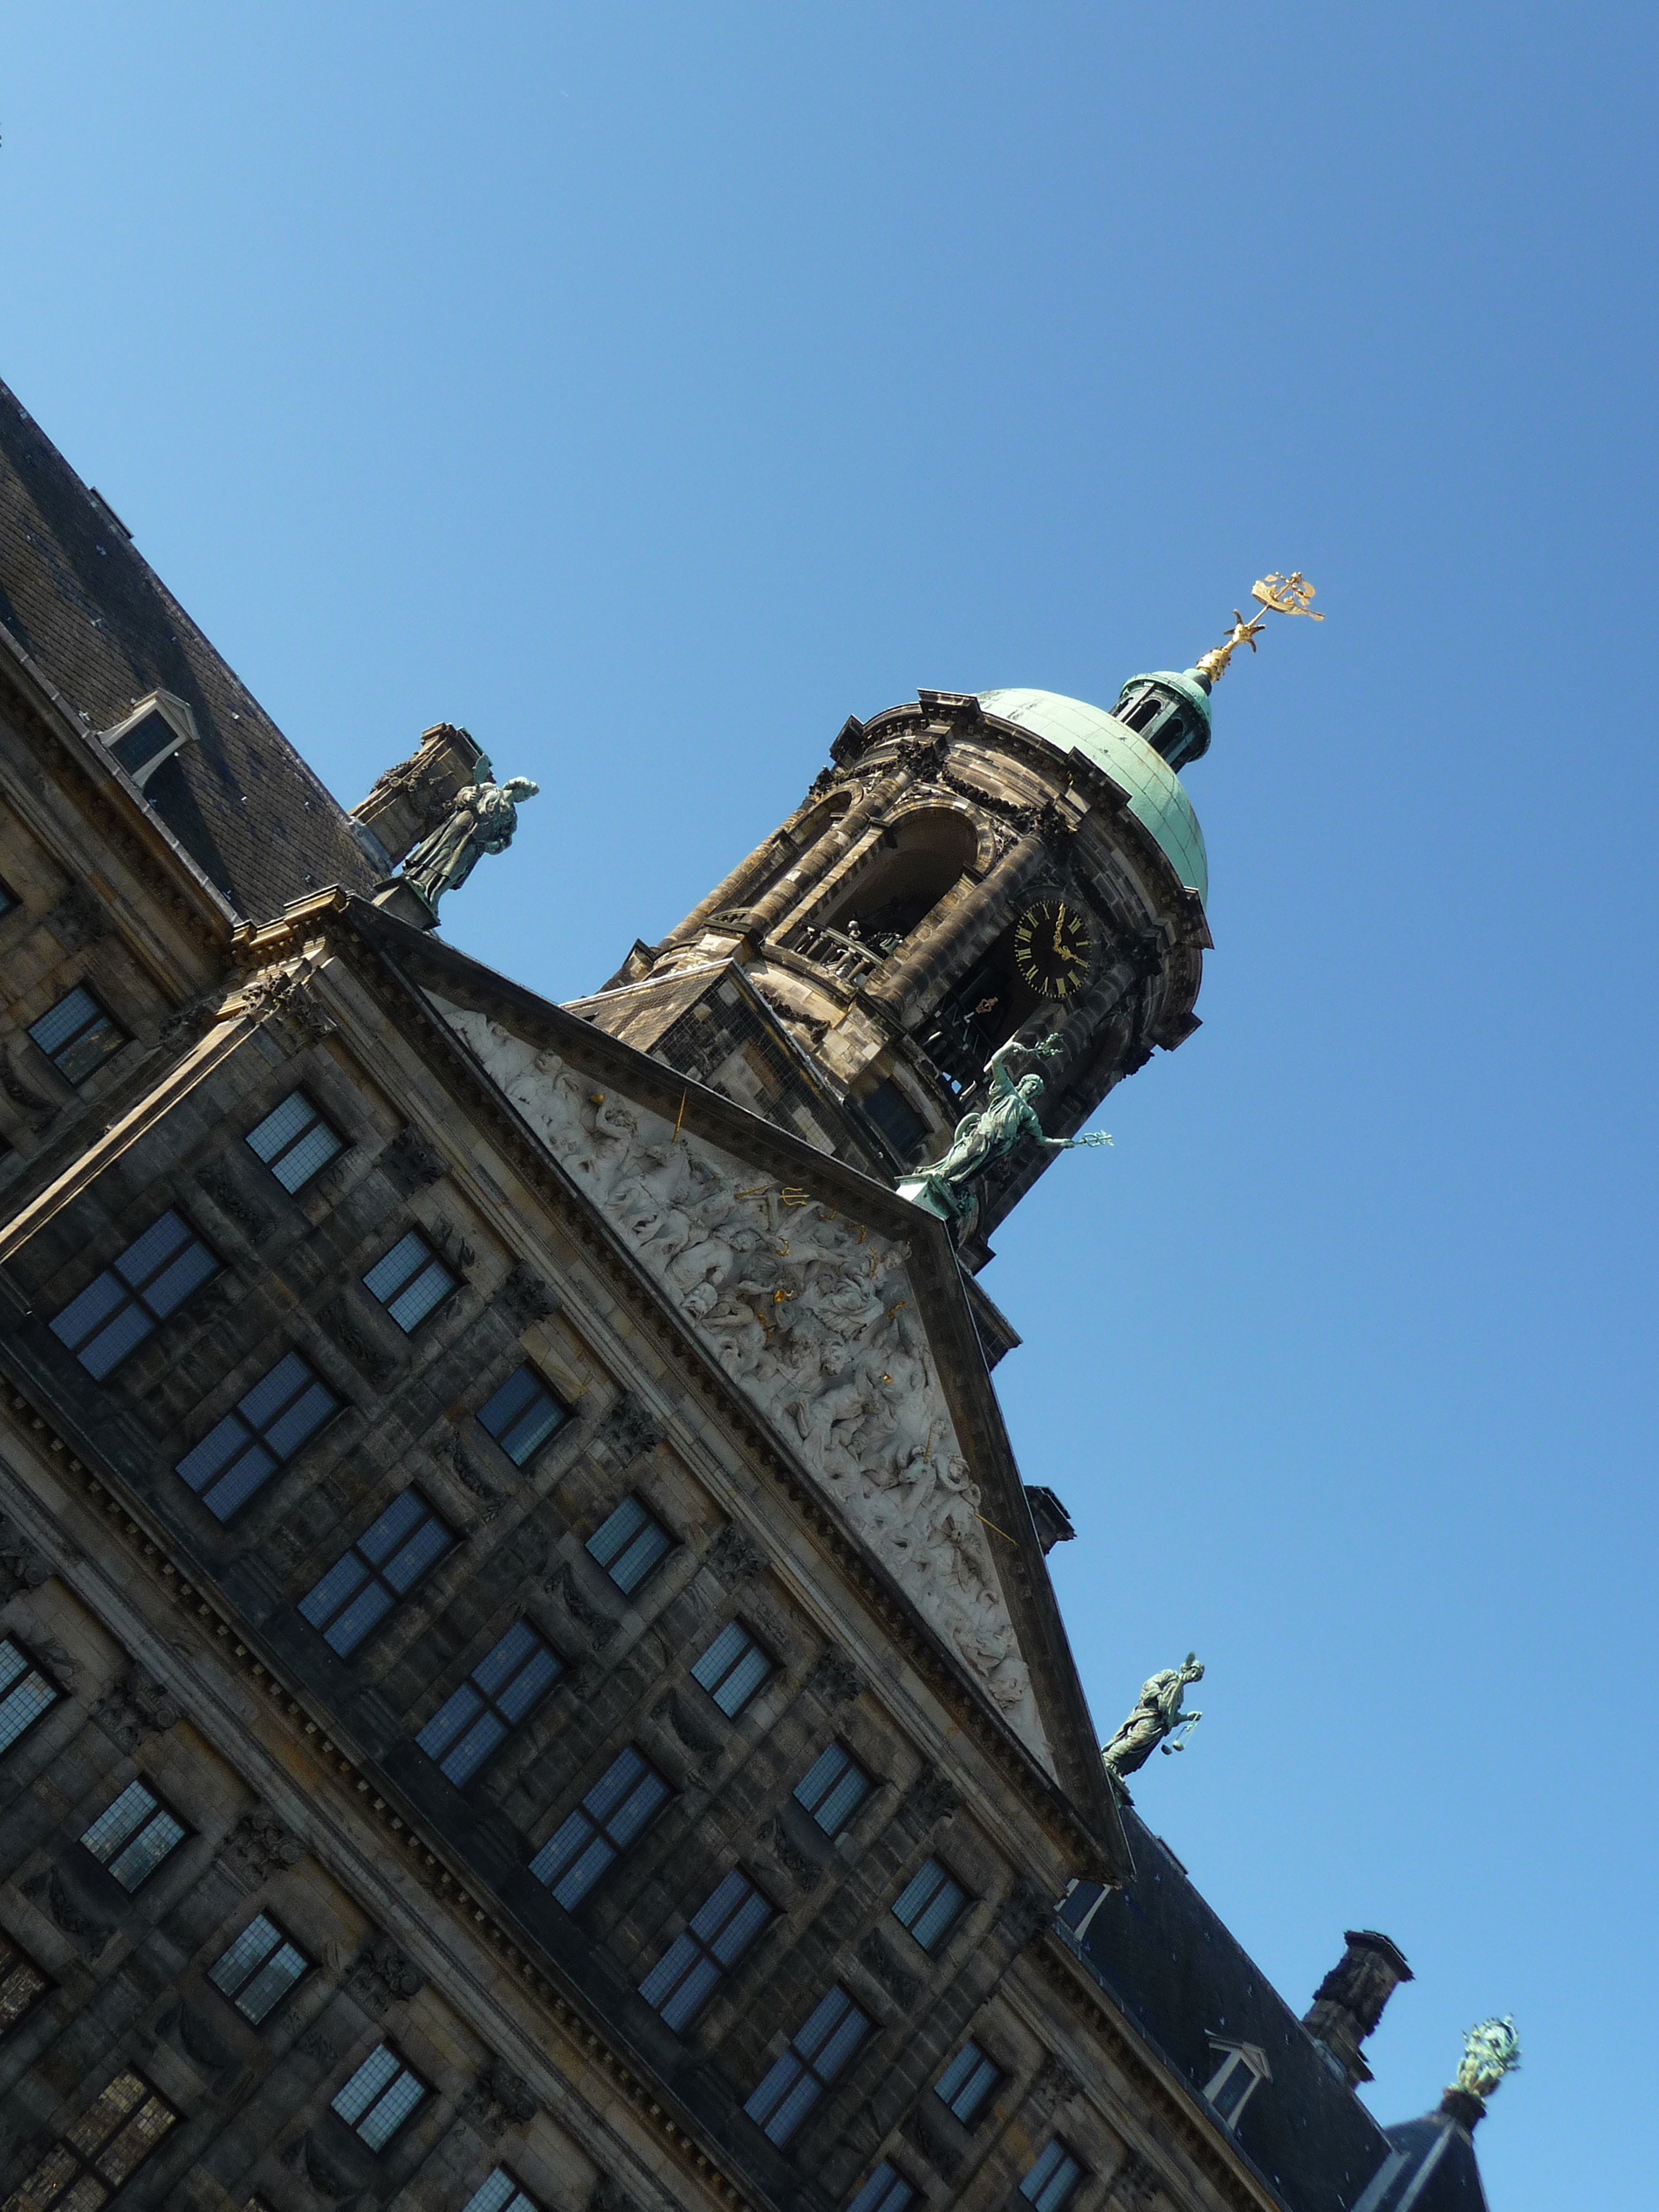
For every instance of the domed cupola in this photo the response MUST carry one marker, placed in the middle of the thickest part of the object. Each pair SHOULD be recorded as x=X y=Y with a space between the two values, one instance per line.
x=1170 y=711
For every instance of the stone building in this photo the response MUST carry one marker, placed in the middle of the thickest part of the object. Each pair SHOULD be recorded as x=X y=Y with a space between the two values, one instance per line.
x=528 y=1675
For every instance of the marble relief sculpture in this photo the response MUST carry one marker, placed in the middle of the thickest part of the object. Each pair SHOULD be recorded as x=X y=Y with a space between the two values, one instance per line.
x=813 y=1316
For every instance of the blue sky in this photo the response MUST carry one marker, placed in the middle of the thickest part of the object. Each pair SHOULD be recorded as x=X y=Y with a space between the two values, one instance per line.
x=649 y=389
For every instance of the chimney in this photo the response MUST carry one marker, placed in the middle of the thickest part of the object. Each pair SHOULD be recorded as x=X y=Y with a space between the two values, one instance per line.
x=1349 y=2002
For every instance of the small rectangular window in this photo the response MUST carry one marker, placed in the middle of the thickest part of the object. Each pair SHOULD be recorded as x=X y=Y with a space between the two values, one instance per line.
x=617 y=1809
x=732 y=1668
x=99 y=2154
x=721 y=1931
x=410 y=1283
x=505 y=1688
x=929 y=1905
x=273 y=1421
x=1052 y=2180
x=21 y=1984
x=259 y=1968
x=498 y=2192
x=628 y=1544
x=118 y=1308
x=819 y=2052
x=384 y=1564
x=832 y=1789
x=887 y=2190
x=379 y=2096
x=25 y=1693
x=967 y=2082
x=133 y=1835
x=77 y=1035
x=521 y=1415
x=295 y=1141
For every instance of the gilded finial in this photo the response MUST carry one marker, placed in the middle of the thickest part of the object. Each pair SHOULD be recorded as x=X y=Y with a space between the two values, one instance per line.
x=1284 y=595
x=1491 y=2051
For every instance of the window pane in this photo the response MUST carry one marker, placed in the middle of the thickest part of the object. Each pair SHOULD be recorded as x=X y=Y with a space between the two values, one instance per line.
x=119 y=1821
x=521 y=1415
x=1051 y=2179
x=308 y=1157
x=406 y=1567
x=24 y=1694
x=583 y=1871
x=886 y=2191
x=383 y=1535
x=266 y=1990
x=498 y=2192
x=280 y=1127
x=169 y=1289
x=936 y=1917
x=451 y=1717
x=679 y=2010
x=616 y=1531
x=359 y=2093
x=83 y=1312
x=428 y=1290
x=474 y=1747
x=353 y=1623
x=794 y=2109
x=138 y=1860
x=527 y=1688
x=967 y=2081
x=257 y=1941
x=381 y=2122
x=107 y=1350
x=147 y=1254
x=326 y=1597
x=387 y=1276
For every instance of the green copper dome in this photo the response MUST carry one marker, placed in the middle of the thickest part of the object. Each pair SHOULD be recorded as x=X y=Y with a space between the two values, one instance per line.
x=1156 y=799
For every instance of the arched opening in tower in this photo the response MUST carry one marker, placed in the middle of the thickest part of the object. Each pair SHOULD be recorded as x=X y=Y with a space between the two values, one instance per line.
x=902 y=882
x=977 y=1014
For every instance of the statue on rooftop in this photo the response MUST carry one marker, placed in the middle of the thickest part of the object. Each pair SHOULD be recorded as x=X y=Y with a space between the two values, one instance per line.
x=482 y=819
x=1007 y=1120
x=1156 y=1723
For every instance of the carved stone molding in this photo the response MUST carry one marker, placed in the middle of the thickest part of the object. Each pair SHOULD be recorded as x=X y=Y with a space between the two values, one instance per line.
x=1135 y=2184
x=410 y=1163
x=42 y=1112
x=259 y=1845
x=735 y=1555
x=628 y=1429
x=221 y=1188
x=138 y=1707
x=79 y=918
x=775 y=1837
x=384 y=1973
x=21 y=1566
x=339 y=1320
x=525 y=1298
x=1024 y=1914
x=929 y=1799
x=564 y=1586
x=904 y=1989
x=1054 y=2082
x=833 y=1677
x=499 y=2099
x=697 y=1735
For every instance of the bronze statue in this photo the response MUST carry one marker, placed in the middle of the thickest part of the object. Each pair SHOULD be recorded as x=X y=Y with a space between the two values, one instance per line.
x=1156 y=1721
x=1008 y=1120
x=482 y=819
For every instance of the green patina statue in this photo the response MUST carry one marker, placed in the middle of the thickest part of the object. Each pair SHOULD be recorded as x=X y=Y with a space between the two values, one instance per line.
x=482 y=819
x=1156 y=1721
x=990 y=1133
x=1491 y=2051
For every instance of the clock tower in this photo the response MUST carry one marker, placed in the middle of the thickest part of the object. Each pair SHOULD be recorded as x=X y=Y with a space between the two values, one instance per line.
x=972 y=867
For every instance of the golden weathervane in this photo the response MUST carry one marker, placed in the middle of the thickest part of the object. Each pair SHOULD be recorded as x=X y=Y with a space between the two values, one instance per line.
x=1284 y=594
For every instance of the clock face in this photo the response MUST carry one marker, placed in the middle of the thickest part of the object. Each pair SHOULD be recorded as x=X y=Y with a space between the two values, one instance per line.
x=1051 y=947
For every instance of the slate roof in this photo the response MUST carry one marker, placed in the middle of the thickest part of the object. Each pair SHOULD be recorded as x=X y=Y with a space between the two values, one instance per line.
x=1178 y=1973
x=104 y=630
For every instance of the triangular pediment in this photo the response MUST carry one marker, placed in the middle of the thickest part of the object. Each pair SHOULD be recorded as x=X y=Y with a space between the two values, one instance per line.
x=815 y=1316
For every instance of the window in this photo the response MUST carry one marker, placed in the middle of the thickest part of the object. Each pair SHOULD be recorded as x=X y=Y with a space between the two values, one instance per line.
x=832 y=1789
x=895 y=1118
x=77 y=1035
x=930 y=1904
x=277 y=1417
x=134 y=1836
x=410 y=1283
x=259 y=1968
x=719 y=1935
x=967 y=2082
x=498 y=2192
x=383 y=1565
x=887 y=2190
x=521 y=1415
x=102 y=2151
x=1052 y=2180
x=21 y=1982
x=25 y=1693
x=1244 y=2066
x=295 y=1141
x=818 y=2052
x=379 y=2096
x=118 y=1308
x=8 y=898
x=499 y=1693
x=732 y=1668
x=619 y=1807
x=629 y=1545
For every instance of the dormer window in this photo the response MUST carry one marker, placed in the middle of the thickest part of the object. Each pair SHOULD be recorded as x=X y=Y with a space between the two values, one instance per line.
x=153 y=732
x=1243 y=2065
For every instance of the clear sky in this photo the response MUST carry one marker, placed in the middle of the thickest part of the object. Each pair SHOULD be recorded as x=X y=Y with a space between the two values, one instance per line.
x=650 y=387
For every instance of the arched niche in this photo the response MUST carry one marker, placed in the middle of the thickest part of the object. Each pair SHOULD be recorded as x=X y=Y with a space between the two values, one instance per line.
x=906 y=874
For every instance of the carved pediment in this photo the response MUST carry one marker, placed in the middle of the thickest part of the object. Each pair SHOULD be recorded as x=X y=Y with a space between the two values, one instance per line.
x=815 y=1316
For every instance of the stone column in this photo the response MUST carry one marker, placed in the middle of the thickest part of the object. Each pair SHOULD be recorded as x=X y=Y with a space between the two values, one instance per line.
x=837 y=841
x=732 y=889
